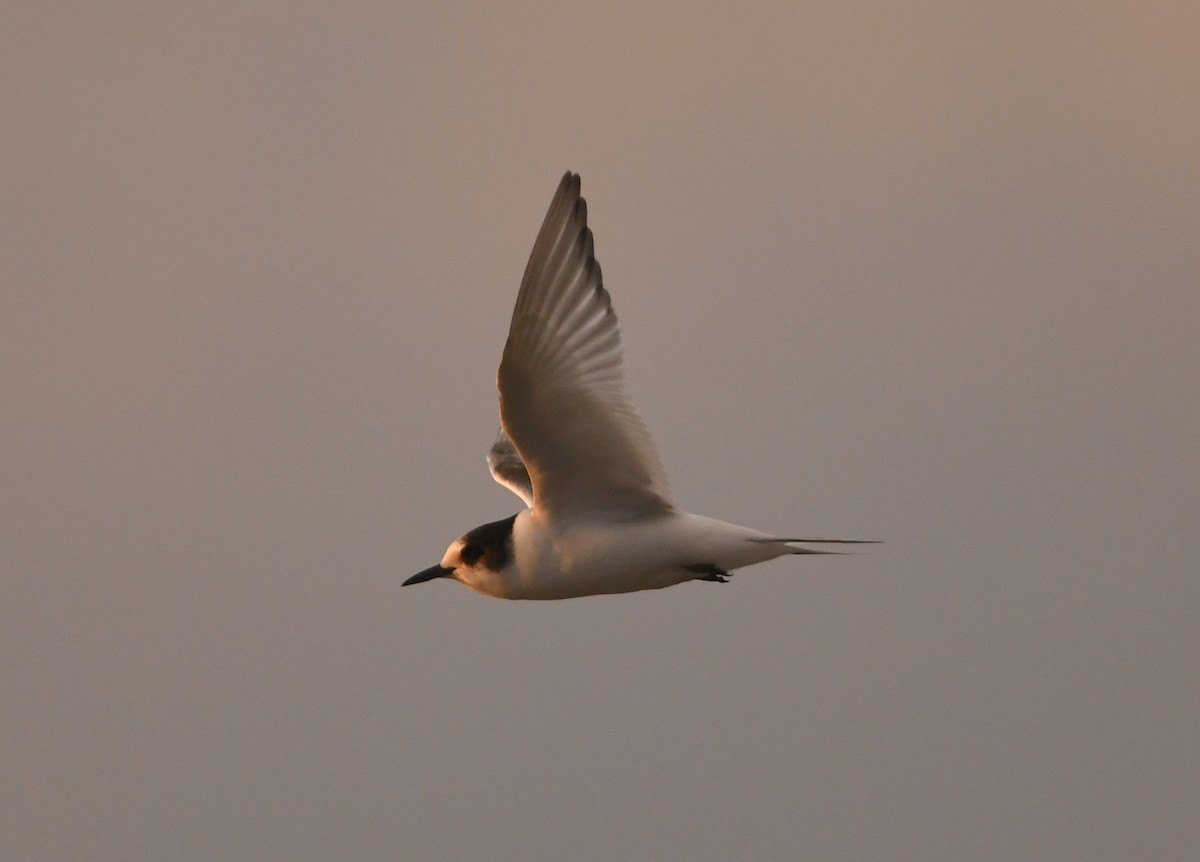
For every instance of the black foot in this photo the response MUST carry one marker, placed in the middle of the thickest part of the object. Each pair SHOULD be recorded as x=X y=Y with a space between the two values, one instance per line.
x=709 y=572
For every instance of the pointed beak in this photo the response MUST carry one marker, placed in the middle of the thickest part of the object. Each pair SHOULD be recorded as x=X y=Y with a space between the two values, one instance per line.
x=428 y=575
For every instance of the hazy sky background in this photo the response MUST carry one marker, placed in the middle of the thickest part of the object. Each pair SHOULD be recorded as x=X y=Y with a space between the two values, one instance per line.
x=922 y=272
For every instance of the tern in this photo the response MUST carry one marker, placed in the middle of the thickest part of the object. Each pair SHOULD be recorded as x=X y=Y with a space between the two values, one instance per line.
x=600 y=516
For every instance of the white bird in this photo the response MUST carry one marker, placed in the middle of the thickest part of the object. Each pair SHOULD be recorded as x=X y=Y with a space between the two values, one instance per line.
x=572 y=446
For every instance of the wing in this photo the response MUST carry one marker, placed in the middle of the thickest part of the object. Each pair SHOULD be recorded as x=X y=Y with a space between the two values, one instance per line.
x=508 y=469
x=562 y=391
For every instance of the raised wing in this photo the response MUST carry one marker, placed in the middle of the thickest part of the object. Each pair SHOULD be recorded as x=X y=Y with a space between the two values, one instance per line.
x=562 y=392
x=508 y=469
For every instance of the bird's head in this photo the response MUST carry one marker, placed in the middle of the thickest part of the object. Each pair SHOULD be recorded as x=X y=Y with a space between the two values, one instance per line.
x=475 y=558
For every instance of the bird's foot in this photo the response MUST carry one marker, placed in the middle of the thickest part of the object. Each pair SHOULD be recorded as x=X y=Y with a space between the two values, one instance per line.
x=709 y=572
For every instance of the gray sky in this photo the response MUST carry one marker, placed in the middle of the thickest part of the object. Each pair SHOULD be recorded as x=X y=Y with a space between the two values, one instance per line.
x=923 y=272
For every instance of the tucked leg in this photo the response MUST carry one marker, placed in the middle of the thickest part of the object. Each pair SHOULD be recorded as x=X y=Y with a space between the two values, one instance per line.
x=709 y=572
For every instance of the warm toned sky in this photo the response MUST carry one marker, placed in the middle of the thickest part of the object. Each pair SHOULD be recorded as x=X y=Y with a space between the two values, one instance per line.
x=924 y=272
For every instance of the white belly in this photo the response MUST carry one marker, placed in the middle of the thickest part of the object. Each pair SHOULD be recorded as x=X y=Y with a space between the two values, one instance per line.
x=621 y=557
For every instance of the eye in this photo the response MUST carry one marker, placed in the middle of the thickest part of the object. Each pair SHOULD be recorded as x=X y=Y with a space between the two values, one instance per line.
x=471 y=553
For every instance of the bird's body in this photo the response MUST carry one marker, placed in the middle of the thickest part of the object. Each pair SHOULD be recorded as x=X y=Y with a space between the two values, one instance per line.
x=572 y=446
x=549 y=560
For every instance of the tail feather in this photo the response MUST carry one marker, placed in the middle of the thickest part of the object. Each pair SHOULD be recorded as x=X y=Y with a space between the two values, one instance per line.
x=792 y=550
x=824 y=541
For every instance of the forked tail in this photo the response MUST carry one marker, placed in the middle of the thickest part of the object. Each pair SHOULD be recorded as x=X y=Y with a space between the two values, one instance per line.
x=791 y=550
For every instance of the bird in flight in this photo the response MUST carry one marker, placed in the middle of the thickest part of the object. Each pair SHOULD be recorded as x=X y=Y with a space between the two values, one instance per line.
x=600 y=517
